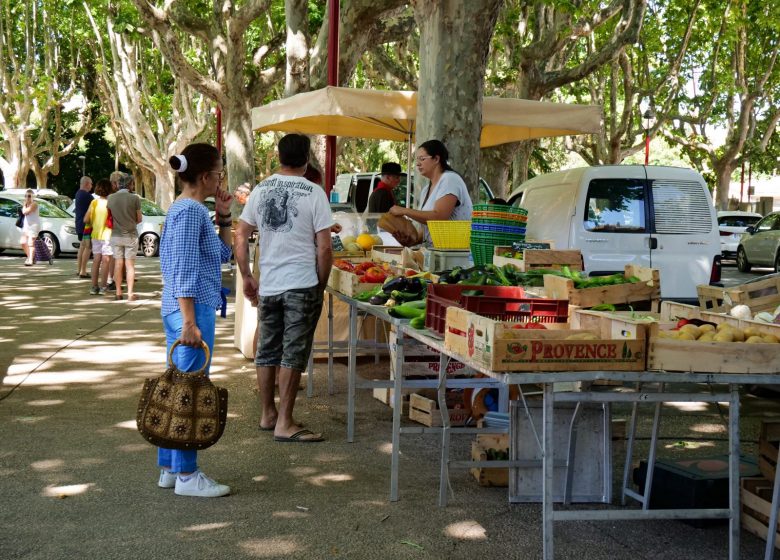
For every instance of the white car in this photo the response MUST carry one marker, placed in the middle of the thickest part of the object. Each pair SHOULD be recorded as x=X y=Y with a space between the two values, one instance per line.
x=150 y=228
x=760 y=244
x=57 y=228
x=732 y=224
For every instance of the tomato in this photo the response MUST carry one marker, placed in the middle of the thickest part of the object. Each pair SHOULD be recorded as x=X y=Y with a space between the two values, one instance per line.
x=344 y=265
x=537 y=326
x=375 y=275
x=362 y=267
x=681 y=323
x=410 y=272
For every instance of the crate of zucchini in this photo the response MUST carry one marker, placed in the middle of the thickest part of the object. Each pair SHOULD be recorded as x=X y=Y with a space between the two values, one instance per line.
x=404 y=297
x=636 y=284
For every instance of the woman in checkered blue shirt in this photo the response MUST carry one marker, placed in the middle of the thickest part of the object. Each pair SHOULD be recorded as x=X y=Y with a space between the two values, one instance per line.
x=191 y=254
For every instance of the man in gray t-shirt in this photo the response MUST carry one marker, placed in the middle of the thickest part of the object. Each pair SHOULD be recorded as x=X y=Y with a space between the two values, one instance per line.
x=125 y=208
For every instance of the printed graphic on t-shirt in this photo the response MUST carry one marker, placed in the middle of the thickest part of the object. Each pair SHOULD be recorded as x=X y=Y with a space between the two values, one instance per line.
x=280 y=204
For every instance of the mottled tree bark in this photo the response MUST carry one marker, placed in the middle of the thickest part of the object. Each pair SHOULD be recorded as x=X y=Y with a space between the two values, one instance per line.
x=454 y=43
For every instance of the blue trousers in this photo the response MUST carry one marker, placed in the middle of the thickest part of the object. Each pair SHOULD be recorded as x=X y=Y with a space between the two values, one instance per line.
x=187 y=358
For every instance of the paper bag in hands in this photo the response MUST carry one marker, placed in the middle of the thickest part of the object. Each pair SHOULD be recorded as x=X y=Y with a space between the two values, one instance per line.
x=401 y=228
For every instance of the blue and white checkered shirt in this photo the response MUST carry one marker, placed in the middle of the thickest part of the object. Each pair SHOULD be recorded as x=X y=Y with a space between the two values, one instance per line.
x=190 y=257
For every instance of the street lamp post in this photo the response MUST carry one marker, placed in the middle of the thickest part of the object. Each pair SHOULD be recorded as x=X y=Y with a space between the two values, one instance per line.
x=648 y=119
x=83 y=165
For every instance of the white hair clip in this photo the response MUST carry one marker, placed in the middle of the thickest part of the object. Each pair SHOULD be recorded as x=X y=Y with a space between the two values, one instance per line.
x=182 y=163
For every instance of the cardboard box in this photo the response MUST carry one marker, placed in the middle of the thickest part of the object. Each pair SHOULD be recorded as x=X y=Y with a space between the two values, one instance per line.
x=649 y=289
x=420 y=361
x=489 y=476
x=539 y=258
x=500 y=347
x=426 y=411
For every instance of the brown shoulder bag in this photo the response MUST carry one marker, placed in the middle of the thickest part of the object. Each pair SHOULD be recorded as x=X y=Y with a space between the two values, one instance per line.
x=182 y=410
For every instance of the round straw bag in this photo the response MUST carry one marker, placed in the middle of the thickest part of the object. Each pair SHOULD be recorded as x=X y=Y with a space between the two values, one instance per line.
x=182 y=410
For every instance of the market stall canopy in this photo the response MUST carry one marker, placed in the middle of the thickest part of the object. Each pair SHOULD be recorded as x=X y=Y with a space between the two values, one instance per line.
x=391 y=115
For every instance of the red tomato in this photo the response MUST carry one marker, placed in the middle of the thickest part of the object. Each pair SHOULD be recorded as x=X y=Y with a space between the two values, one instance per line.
x=362 y=267
x=375 y=275
x=535 y=326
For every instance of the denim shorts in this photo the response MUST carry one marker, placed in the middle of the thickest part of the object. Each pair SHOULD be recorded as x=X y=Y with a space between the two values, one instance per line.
x=287 y=322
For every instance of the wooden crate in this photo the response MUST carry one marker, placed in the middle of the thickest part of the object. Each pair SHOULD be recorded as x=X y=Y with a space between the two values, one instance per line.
x=488 y=476
x=350 y=284
x=500 y=347
x=613 y=324
x=352 y=256
x=768 y=441
x=760 y=295
x=426 y=411
x=649 y=289
x=402 y=257
x=334 y=280
x=756 y=498
x=540 y=258
x=664 y=354
x=385 y=395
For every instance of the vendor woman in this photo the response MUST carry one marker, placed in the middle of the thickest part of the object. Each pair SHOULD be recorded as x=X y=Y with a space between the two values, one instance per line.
x=446 y=196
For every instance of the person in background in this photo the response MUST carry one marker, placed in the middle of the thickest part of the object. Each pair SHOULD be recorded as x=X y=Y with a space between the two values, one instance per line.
x=116 y=178
x=382 y=199
x=83 y=200
x=191 y=254
x=498 y=202
x=125 y=207
x=445 y=198
x=293 y=220
x=97 y=214
x=30 y=227
x=242 y=193
x=313 y=174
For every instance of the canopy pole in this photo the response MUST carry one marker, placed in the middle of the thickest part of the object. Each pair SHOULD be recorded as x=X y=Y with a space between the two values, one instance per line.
x=333 y=80
x=409 y=173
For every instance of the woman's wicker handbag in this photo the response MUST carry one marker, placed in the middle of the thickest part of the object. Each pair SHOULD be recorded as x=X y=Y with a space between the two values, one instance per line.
x=181 y=410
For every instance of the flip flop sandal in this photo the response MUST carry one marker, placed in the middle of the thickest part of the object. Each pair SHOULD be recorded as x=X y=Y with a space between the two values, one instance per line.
x=301 y=436
x=272 y=428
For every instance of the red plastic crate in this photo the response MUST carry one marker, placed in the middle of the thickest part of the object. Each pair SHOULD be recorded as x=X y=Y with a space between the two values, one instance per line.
x=502 y=303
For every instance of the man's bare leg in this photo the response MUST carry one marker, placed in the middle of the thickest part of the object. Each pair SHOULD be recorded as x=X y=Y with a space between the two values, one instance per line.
x=265 y=383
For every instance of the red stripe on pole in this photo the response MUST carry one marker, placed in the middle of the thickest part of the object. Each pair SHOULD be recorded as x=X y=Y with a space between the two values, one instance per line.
x=333 y=80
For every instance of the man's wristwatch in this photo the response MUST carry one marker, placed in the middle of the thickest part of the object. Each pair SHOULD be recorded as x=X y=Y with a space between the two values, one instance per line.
x=225 y=216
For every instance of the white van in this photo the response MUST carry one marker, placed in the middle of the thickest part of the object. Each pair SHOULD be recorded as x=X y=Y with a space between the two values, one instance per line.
x=660 y=217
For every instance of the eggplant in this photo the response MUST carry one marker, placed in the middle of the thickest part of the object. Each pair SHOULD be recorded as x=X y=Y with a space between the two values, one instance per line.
x=400 y=283
x=379 y=299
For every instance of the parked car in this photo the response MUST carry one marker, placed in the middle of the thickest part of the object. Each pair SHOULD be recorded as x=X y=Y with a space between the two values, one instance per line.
x=59 y=200
x=352 y=191
x=652 y=216
x=732 y=224
x=149 y=230
x=57 y=228
x=760 y=244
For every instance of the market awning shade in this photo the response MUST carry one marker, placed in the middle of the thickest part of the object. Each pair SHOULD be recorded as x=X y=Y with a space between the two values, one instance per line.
x=391 y=115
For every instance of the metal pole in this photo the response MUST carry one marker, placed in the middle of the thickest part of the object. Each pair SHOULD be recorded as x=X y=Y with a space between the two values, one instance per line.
x=647 y=146
x=333 y=80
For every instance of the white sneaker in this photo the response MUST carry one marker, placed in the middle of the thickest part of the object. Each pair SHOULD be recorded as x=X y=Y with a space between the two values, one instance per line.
x=201 y=486
x=167 y=479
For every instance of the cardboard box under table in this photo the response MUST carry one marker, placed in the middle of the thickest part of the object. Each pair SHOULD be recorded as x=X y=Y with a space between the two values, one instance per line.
x=499 y=346
x=756 y=500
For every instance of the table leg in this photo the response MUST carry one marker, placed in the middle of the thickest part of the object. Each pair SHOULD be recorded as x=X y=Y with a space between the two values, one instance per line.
x=734 y=499
x=310 y=376
x=567 y=491
x=397 y=409
x=547 y=472
x=331 y=388
x=651 y=455
x=631 y=435
x=351 y=373
x=444 y=474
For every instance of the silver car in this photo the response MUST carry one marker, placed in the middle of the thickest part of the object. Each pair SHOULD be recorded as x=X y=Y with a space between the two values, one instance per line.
x=150 y=228
x=760 y=244
x=57 y=228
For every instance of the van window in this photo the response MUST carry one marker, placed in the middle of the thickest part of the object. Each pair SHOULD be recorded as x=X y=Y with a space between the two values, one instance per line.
x=681 y=207
x=615 y=205
x=362 y=191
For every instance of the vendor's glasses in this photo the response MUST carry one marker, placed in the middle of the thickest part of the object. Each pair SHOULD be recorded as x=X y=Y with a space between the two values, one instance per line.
x=421 y=159
x=222 y=174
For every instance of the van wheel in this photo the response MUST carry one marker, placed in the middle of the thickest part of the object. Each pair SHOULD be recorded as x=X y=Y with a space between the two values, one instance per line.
x=777 y=262
x=743 y=265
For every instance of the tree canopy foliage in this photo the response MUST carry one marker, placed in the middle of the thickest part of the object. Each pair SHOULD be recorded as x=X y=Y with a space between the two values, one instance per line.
x=148 y=75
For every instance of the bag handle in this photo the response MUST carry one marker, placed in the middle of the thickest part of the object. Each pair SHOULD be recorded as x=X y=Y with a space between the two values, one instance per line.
x=205 y=351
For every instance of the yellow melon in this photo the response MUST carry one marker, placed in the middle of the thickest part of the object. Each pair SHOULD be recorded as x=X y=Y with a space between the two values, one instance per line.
x=366 y=241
